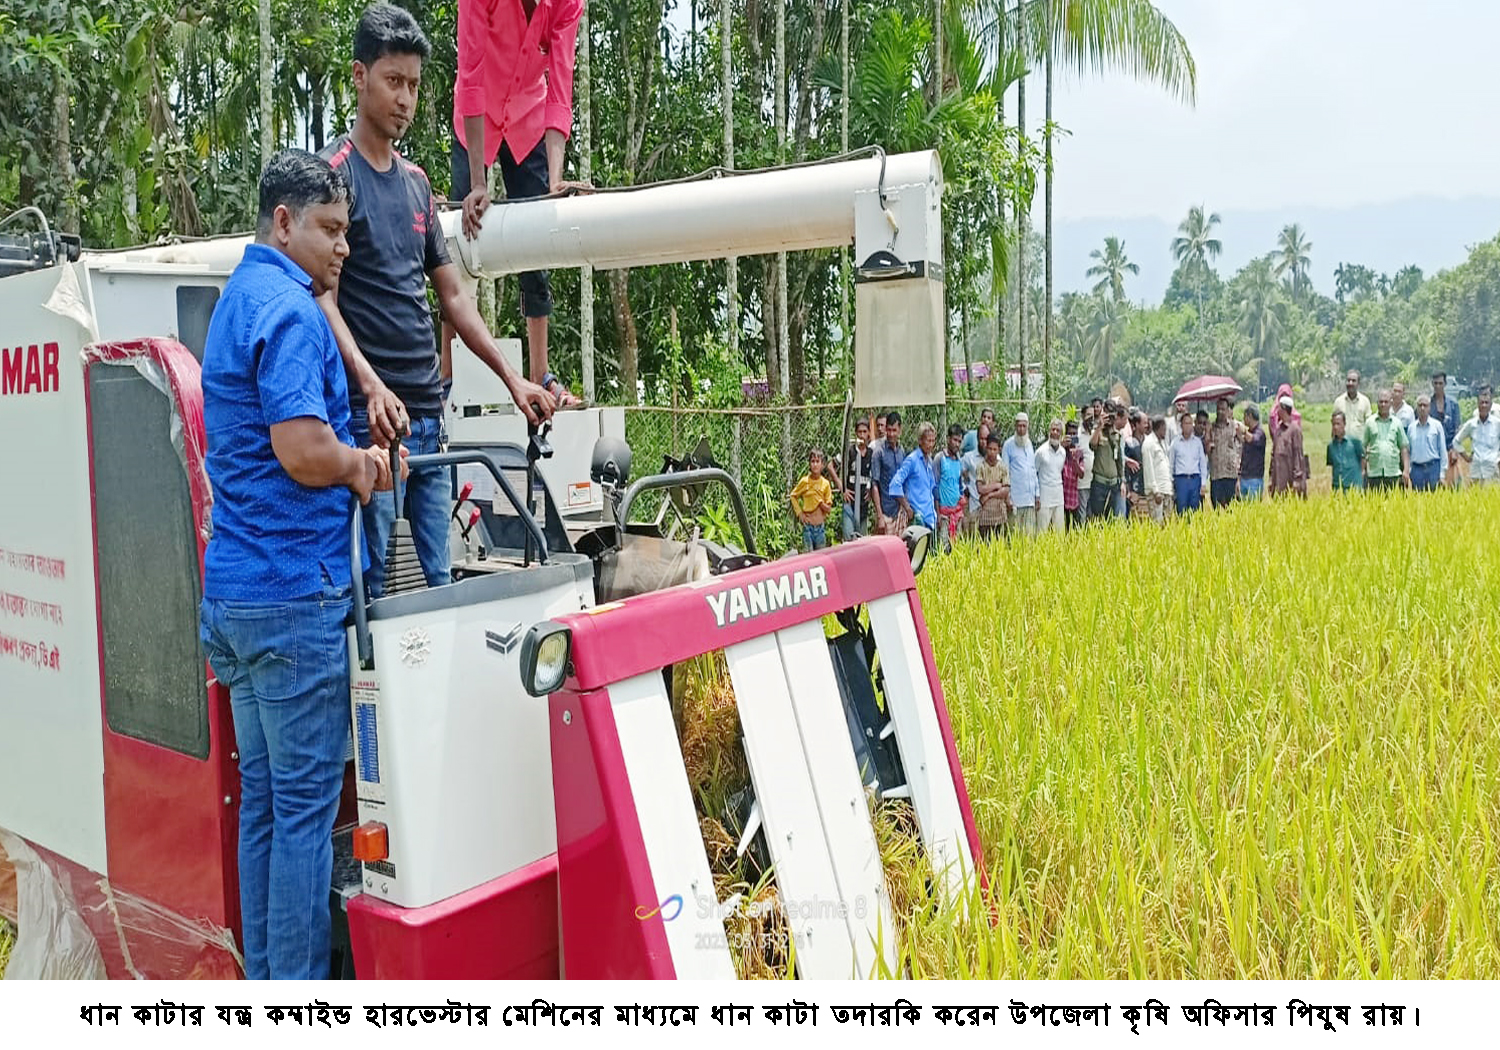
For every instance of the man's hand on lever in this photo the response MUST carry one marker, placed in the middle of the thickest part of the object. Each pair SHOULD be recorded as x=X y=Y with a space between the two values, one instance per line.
x=536 y=404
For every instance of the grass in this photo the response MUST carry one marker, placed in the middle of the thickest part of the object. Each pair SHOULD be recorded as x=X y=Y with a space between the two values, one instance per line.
x=1259 y=744
x=1256 y=744
x=7 y=942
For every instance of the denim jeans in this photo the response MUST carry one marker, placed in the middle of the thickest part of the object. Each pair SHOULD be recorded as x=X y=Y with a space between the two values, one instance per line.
x=286 y=666
x=852 y=529
x=428 y=503
x=1427 y=476
x=1251 y=488
x=814 y=537
x=1189 y=491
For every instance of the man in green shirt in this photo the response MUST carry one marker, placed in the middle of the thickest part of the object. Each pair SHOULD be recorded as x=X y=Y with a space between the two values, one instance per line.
x=1345 y=456
x=1387 y=448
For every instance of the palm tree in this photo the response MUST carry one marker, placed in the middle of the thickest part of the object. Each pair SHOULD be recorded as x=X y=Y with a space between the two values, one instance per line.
x=1086 y=36
x=1196 y=247
x=1293 y=256
x=1111 y=267
x=1106 y=327
x=1262 y=310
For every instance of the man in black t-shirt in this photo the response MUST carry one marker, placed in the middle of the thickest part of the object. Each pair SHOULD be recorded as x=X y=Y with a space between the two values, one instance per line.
x=379 y=309
x=858 y=459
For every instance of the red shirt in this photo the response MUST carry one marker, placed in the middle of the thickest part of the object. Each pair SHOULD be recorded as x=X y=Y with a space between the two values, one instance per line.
x=516 y=73
x=1072 y=472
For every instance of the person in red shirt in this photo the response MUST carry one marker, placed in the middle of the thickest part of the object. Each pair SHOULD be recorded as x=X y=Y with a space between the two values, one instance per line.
x=514 y=102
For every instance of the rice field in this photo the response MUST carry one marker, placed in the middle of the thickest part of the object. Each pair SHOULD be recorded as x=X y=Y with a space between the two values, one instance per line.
x=1255 y=744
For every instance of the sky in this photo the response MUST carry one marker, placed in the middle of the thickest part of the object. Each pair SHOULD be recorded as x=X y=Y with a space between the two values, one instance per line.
x=1329 y=103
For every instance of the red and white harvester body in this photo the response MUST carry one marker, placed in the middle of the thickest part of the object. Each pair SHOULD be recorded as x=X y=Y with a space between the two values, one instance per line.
x=516 y=804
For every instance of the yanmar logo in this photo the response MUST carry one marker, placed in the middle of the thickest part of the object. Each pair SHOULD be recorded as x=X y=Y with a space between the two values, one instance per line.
x=28 y=370
x=768 y=596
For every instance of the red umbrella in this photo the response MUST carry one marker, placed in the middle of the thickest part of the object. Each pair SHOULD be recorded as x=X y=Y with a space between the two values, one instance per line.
x=1207 y=388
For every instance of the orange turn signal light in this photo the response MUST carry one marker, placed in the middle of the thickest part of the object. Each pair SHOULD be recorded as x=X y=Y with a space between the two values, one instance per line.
x=370 y=842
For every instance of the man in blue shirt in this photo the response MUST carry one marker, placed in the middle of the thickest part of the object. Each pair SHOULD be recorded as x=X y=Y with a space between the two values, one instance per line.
x=889 y=455
x=1429 y=448
x=276 y=574
x=378 y=307
x=914 y=485
x=1188 y=464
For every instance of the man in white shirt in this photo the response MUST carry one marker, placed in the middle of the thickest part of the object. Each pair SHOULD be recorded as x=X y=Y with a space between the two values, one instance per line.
x=1484 y=431
x=1087 y=452
x=1157 y=469
x=1050 y=460
x=1020 y=461
x=1354 y=405
x=1401 y=409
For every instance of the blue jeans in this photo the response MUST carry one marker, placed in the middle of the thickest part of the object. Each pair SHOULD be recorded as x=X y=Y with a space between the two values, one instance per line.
x=851 y=528
x=814 y=537
x=1189 y=491
x=286 y=666
x=429 y=505
x=1427 y=476
x=1251 y=488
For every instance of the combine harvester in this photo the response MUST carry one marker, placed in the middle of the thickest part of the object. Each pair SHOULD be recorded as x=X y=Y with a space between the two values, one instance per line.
x=516 y=804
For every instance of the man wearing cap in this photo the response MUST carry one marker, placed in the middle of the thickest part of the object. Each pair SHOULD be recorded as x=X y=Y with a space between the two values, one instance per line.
x=1025 y=492
x=1354 y=405
x=1429 y=448
x=1387 y=450
x=1288 y=462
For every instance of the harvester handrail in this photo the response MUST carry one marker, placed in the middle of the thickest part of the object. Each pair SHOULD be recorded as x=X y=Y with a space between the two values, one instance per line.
x=690 y=477
x=490 y=462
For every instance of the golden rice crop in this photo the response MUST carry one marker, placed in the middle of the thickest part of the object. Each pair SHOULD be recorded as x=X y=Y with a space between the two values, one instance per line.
x=1255 y=744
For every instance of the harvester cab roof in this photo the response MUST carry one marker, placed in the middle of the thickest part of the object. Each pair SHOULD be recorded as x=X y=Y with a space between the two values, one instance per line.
x=527 y=791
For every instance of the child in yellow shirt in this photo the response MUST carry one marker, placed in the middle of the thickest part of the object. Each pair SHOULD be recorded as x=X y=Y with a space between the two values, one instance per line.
x=812 y=502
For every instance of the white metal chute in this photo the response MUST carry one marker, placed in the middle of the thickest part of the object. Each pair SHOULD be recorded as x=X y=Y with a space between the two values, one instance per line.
x=756 y=213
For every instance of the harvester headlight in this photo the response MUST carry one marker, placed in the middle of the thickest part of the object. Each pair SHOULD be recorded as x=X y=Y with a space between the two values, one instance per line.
x=917 y=540
x=544 y=658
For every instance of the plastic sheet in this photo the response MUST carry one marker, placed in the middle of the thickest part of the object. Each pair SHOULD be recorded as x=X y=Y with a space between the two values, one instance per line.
x=171 y=368
x=52 y=940
x=71 y=924
x=646 y=563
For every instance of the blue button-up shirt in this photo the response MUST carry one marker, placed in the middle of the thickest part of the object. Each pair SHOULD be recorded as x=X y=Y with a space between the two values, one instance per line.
x=1188 y=457
x=915 y=482
x=1427 y=441
x=1020 y=460
x=884 y=466
x=270 y=357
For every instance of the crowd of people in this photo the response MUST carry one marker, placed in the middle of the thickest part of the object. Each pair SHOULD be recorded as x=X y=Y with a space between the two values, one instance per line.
x=1115 y=461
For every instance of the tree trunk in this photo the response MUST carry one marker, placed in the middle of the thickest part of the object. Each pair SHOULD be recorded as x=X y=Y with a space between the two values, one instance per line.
x=1047 y=330
x=732 y=264
x=625 y=333
x=783 y=348
x=769 y=316
x=62 y=154
x=846 y=357
x=1000 y=291
x=937 y=51
x=585 y=146
x=1020 y=267
x=266 y=61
